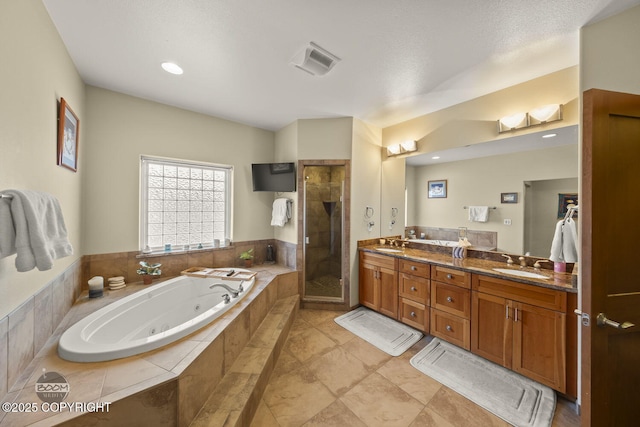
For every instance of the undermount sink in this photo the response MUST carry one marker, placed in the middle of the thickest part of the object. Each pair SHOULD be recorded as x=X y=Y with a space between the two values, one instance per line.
x=521 y=273
x=389 y=250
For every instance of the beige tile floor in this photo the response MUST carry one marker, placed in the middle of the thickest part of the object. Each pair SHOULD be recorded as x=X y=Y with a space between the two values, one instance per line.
x=326 y=376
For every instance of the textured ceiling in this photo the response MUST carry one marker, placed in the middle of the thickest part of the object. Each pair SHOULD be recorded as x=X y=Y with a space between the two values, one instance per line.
x=400 y=59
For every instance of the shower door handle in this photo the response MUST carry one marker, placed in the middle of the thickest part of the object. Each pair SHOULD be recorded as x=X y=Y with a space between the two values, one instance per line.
x=306 y=240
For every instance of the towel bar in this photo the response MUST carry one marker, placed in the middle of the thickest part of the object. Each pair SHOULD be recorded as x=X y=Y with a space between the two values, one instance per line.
x=6 y=196
x=490 y=207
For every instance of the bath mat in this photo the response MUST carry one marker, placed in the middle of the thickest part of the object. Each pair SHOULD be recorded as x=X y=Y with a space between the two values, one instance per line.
x=388 y=335
x=512 y=397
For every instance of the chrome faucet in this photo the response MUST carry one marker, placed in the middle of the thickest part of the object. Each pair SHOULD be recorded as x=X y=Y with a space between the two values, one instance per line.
x=234 y=292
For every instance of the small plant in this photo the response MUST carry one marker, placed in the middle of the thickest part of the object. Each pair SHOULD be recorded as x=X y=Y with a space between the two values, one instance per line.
x=149 y=269
x=247 y=254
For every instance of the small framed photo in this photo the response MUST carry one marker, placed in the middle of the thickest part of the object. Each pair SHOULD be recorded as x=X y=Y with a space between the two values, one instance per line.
x=509 y=197
x=438 y=189
x=565 y=200
x=68 y=127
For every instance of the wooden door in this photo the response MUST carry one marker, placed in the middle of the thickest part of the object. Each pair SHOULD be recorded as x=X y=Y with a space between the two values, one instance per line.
x=388 y=285
x=491 y=328
x=609 y=209
x=539 y=345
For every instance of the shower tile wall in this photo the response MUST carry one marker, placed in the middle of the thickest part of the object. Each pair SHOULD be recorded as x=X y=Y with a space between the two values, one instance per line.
x=324 y=230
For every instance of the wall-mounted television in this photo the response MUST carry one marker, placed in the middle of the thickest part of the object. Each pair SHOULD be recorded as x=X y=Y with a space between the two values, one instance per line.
x=278 y=177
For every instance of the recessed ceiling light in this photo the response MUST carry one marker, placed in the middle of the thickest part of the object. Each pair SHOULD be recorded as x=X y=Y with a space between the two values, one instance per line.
x=550 y=135
x=435 y=157
x=172 y=68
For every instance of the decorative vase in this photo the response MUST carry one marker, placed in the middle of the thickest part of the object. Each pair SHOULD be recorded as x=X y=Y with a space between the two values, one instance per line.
x=248 y=263
x=146 y=279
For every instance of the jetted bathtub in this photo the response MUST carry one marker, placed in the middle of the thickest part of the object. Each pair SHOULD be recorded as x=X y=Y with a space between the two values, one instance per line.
x=150 y=318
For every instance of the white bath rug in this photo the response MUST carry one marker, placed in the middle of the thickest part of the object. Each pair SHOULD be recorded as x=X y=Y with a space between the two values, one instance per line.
x=387 y=334
x=517 y=400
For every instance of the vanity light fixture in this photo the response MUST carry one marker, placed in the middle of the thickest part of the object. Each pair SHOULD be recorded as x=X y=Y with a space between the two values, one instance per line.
x=435 y=157
x=172 y=68
x=513 y=122
x=402 y=148
x=545 y=114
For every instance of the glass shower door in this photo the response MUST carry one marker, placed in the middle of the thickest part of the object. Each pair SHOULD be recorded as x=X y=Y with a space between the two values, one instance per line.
x=323 y=223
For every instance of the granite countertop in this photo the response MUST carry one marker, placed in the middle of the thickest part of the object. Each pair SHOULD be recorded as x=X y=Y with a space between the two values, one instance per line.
x=559 y=281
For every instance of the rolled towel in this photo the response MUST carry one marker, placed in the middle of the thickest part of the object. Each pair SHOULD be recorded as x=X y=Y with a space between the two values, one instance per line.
x=7 y=229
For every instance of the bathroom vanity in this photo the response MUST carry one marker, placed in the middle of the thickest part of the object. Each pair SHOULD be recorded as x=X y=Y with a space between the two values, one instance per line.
x=521 y=323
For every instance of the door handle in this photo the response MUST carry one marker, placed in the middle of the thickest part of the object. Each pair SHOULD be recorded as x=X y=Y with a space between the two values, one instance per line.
x=603 y=321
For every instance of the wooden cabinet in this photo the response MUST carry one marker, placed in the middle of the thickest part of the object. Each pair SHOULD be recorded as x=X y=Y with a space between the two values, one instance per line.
x=451 y=305
x=520 y=327
x=413 y=282
x=379 y=283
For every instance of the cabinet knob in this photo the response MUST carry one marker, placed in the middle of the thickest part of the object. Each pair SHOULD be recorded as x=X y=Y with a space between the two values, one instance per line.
x=449 y=299
x=449 y=328
x=413 y=288
x=413 y=314
x=414 y=268
x=449 y=276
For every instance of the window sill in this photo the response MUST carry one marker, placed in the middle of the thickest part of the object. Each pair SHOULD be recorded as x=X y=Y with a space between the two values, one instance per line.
x=159 y=253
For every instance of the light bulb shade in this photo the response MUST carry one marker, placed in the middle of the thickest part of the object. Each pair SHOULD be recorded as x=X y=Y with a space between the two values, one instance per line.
x=514 y=121
x=393 y=150
x=409 y=146
x=546 y=113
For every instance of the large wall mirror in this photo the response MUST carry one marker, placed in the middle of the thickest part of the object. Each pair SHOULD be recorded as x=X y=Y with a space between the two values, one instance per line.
x=535 y=168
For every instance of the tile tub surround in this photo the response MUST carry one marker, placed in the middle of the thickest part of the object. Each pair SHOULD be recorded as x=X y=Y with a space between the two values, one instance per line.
x=125 y=264
x=168 y=385
x=24 y=331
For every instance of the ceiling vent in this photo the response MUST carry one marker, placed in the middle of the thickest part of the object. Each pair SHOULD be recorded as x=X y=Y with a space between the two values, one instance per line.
x=315 y=60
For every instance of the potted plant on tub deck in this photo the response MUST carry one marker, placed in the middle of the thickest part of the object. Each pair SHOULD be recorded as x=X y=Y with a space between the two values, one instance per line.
x=147 y=271
x=247 y=256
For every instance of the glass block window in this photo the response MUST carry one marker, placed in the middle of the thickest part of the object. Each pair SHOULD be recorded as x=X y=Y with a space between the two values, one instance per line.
x=184 y=203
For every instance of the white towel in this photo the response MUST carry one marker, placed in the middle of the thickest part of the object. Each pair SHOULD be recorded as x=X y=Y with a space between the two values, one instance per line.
x=569 y=241
x=7 y=230
x=40 y=232
x=564 y=246
x=280 y=213
x=556 y=244
x=479 y=213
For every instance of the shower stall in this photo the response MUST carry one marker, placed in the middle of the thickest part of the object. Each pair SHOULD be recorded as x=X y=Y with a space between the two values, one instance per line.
x=324 y=237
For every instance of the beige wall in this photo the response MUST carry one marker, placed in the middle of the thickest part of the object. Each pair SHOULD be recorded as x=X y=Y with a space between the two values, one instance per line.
x=609 y=56
x=366 y=175
x=36 y=72
x=480 y=182
x=121 y=128
x=286 y=150
x=324 y=139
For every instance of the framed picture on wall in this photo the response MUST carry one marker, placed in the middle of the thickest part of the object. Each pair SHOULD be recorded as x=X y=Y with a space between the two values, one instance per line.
x=564 y=201
x=68 y=127
x=509 y=197
x=438 y=189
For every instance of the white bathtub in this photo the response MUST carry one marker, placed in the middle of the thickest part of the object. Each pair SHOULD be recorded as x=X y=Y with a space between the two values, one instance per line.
x=148 y=319
x=447 y=243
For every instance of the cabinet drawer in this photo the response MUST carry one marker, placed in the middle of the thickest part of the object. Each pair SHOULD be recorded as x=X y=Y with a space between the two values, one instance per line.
x=453 y=329
x=451 y=299
x=378 y=260
x=530 y=294
x=414 y=314
x=451 y=276
x=414 y=288
x=414 y=268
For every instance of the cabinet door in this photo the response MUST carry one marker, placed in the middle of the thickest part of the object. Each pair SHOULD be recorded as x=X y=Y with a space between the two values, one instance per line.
x=540 y=345
x=388 y=288
x=368 y=278
x=491 y=328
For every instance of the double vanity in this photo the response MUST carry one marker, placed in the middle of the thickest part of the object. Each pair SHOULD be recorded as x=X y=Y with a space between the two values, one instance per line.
x=518 y=317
